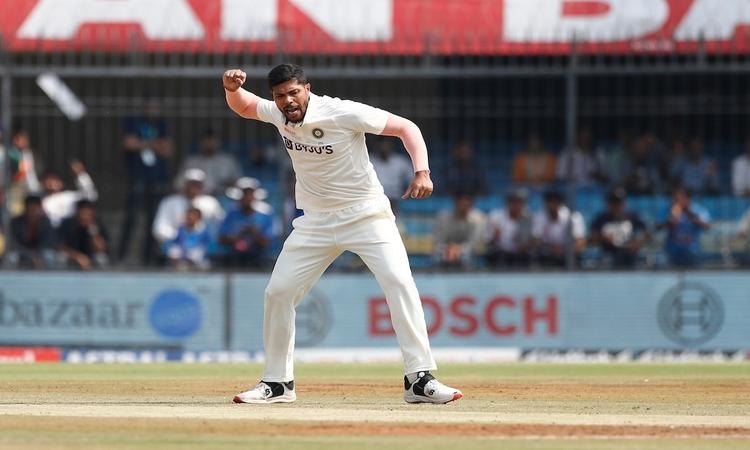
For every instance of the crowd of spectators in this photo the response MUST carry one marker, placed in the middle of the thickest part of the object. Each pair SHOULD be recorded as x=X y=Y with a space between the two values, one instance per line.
x=214 y=217
x=554 y=235
x=211 y=215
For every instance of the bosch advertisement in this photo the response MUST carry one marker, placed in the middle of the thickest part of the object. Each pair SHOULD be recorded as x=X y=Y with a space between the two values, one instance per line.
x=702 y=311
x=552 y=311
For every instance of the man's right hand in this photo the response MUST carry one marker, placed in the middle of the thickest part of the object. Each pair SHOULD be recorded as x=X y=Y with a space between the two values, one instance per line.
x=77 y=167
x=233 y=79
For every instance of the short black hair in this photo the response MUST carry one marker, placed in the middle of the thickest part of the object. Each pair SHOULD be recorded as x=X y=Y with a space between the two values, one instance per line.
x=553 y=195
x=616 y=195
x=285 y=72
x=18 y=129
x=32 y=199
x=85 y=203
x=681 y=189
x=462 y=194
x=50 y=173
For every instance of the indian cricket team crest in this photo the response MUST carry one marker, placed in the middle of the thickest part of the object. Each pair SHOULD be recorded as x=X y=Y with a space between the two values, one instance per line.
x=318 y=133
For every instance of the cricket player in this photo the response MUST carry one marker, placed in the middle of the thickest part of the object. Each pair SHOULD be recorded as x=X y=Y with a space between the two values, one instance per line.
x=344 y=209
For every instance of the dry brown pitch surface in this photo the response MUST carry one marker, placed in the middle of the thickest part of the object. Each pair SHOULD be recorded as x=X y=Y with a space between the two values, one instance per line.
x=513 y=406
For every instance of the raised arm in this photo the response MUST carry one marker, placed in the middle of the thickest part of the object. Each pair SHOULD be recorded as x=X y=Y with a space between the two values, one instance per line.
x=411 y=136
x=241 y=101
x=84 y=183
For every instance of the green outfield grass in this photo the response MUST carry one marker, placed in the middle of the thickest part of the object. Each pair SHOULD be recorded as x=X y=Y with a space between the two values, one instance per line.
x=507 y=406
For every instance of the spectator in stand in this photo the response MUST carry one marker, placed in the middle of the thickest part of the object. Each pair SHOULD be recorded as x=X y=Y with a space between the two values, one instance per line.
x=234 y=193
x=583 y=165
x=508 y=237
x=31 y=240
x=695 y=172
x=464 y=175
x=394 y=171
x=534 y=166
x=189 y=249
x=458 y=233
x=84 y=241
x=619 y=232
x=221 y=169
x=24 y=167
x=171 y=213
x=60 y=204
x=615 y=157
x=675 y=152
x=685 y=222
x=741 y=173
x=640 y=169
x=246 y=231
x=743 y=233
x=552 y=230
x=147 y=148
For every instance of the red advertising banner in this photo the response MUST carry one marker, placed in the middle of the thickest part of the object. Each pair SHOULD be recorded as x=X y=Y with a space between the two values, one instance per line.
x=29 y=354
x=377 y=26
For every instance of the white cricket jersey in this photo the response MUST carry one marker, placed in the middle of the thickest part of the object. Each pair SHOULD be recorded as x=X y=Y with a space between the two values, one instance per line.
x=328 y=151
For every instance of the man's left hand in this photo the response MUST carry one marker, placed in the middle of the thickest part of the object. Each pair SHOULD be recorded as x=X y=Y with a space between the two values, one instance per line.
x=420 y=187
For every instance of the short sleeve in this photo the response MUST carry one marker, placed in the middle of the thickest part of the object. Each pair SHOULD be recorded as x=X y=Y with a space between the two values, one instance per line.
x=269 y=113
x=494 y=219
x=703 y=214
x=578 y=226
x=363 y=118
x=744 y=225
x=537 y=226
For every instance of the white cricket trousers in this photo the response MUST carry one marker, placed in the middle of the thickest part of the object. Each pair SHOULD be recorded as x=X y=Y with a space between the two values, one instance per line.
x=369 y=230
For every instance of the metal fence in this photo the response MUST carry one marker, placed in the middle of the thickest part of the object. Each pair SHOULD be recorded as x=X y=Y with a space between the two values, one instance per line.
x=493 y=102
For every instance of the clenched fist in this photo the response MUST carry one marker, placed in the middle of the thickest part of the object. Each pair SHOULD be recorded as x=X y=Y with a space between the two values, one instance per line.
x=233 y=79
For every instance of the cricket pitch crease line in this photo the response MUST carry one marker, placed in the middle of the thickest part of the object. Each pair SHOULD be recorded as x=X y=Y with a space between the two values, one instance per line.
x=325 y=414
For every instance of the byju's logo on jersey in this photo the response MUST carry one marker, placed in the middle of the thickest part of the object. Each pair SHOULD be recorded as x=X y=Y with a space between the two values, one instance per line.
x=318 y=133
x=316 y=149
